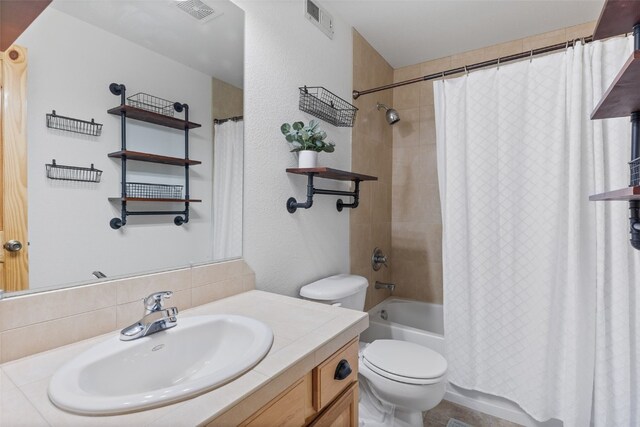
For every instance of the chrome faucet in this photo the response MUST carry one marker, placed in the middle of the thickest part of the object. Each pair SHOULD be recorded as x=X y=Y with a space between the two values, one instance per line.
x=381 y=285
x=156 y=318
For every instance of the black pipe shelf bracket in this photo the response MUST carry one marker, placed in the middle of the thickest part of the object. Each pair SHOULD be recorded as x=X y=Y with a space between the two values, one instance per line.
x=328 y=173
x=622 y=99
x=154 y=110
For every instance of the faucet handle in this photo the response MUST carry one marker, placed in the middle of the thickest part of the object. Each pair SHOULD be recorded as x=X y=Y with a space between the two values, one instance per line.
x=378 y=259
x=155 y=301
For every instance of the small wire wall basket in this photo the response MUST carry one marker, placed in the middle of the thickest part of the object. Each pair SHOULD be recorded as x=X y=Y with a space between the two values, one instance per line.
x=634 y=166
x=147 y=102
x=72 y=173
x=327 y=106
x=143 y=190
x=70 y=124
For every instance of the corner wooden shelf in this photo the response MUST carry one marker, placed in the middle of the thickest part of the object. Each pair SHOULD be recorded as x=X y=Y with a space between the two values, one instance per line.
x=335 y=174
x=153 y=158
x=622 y=97
x=628 y=193
x=328 y=173
x=151 y=117
x=148 y=199
x=617 y=17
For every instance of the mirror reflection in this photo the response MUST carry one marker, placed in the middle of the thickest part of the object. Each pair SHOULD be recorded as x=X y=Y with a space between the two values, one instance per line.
x=175 y=51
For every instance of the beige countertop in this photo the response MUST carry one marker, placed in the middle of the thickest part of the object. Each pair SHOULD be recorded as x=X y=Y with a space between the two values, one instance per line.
x=305 y=334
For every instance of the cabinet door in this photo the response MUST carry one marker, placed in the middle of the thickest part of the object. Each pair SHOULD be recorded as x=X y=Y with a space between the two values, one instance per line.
x=327 y=387
x=286 y=410
x=343 y=412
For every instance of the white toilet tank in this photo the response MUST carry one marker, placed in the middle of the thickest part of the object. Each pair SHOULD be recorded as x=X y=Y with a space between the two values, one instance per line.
x=348 y=290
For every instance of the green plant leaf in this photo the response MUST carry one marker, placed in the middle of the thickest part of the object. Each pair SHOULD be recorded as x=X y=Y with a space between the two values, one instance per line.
x=298 y=125
x=290 y=138
x=329 y=148
x=285 y=128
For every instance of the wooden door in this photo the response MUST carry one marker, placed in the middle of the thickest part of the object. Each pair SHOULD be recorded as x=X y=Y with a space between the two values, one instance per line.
x=14 y=264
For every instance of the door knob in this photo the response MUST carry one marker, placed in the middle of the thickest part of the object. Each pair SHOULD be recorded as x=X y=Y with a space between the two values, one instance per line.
x=13 y=246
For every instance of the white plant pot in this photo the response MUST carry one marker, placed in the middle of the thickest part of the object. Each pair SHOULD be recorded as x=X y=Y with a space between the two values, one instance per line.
x=307 y=159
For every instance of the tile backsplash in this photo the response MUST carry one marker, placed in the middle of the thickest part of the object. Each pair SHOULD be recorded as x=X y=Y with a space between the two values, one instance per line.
x=42 y=321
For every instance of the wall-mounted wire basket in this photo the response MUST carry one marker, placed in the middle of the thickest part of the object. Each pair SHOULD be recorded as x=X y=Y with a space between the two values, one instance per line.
x=72 y=173
x=147 y=102
x=323 y=104
x=634 y=166
x=145 y=190
x=70 y=124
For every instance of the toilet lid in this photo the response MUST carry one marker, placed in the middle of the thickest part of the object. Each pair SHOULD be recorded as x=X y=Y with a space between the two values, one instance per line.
x=404 y=361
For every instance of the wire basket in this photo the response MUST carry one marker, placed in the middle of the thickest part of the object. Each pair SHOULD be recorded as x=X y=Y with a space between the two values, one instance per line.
x=634 y=166
x=147 y=102
x=145 y=190
x=72 y=173
x=326 y=106
x=70 y=124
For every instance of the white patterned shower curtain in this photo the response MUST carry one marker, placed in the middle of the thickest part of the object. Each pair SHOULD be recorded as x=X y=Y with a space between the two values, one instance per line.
x=541 y=299
x=227 y=189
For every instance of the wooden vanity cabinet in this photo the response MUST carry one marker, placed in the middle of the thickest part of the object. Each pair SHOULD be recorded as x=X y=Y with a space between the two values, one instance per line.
x=317 y=399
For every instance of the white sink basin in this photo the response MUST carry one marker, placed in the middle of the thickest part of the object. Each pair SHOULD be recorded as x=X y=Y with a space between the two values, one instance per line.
x=198 y=355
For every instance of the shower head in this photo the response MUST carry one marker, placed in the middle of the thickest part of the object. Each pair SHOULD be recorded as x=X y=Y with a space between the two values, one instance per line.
x=391 y=114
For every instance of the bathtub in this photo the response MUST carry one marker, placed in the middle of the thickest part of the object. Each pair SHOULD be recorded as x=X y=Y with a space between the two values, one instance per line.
x=423 y=323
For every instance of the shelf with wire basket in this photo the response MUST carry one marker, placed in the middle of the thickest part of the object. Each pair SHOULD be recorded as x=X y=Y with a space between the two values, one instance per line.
x=327 y=106
x=70 y=124
x=72 y=173
x=158 y=111
x=622 y=99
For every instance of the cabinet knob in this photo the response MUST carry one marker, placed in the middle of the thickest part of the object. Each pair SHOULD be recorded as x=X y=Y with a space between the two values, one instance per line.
x=343 y=370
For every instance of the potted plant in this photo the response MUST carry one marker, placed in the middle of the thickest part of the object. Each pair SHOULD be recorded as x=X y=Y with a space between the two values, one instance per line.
x=307 y=141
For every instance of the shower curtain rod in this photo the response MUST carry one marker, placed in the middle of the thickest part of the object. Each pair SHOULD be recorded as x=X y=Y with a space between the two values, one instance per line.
x=233 y=119
x=476 y=66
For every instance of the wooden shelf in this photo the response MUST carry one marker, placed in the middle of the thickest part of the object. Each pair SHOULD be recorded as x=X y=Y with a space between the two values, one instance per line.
x=145 y=199
x=153 y=158
x=334 y=174
x=622 y=97
x=150 y=117
x=617 y=17
x=628 y=193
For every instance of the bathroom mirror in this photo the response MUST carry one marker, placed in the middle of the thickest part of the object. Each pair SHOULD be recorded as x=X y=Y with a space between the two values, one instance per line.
x=182 y=51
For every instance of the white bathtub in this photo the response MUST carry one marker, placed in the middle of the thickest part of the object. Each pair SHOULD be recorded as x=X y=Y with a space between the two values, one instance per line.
x=423 y=323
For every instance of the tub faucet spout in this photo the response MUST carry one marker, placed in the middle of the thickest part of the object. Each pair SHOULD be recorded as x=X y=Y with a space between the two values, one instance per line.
x=381 y=285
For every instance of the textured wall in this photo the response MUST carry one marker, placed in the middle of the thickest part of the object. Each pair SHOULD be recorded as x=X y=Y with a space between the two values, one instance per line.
x=371 y=154
x=416 y=232
x=284 y=51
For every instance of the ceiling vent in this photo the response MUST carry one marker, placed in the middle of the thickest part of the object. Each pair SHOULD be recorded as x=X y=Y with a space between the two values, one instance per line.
x=197 y=10
x=320 y=17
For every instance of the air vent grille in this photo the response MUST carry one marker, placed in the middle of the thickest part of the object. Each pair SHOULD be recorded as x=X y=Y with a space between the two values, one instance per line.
x=320 y=17
x=197 y=9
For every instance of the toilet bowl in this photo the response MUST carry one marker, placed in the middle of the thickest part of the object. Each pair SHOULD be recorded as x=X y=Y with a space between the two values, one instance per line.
x=406 y=378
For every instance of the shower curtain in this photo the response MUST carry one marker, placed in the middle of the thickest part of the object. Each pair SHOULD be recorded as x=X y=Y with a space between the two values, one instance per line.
x=227 y=189
x=540 y=296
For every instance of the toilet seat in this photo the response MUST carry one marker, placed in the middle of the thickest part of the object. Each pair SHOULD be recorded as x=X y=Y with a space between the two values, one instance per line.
x=404 y=362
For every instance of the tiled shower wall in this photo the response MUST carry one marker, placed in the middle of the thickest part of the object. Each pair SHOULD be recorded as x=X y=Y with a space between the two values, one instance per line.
x=370 y=223
x=416 y=224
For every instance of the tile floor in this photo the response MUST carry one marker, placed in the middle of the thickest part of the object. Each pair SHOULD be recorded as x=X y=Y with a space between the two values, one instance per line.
x=440 y=415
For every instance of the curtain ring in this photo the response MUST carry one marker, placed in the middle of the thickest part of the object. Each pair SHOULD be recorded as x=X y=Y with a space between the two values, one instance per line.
x=566 y=46
x=531 y=56
x=498 y=67
x=465 y=70
x=443 y=76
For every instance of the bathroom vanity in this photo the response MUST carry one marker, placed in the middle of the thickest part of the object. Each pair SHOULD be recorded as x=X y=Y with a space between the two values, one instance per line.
x=295 y=384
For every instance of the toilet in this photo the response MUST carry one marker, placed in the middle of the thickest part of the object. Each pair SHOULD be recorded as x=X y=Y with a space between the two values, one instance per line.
x=399 y=379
